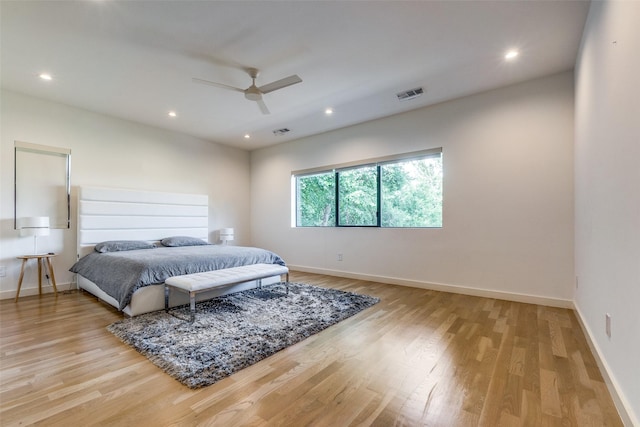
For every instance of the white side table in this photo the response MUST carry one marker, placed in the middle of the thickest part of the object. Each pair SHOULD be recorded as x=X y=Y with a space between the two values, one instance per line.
x=39 y=258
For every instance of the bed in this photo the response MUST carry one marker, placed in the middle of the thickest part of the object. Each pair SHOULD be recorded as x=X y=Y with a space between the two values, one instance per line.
x=145 y=237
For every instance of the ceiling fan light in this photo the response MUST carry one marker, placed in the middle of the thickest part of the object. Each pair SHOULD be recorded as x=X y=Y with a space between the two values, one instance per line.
x=253 y=94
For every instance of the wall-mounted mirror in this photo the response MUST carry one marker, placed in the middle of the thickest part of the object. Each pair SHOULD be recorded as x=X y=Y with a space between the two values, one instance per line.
x=42 y=183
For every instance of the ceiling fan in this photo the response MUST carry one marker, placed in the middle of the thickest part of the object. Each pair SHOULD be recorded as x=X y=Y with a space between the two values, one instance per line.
x=253 y=92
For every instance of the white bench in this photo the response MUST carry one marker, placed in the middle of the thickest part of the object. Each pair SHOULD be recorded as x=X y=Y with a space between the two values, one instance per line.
x=200 y=282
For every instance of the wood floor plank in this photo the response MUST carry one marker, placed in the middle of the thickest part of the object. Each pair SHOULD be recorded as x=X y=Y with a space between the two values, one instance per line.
x=419 y=357
x=550 y=400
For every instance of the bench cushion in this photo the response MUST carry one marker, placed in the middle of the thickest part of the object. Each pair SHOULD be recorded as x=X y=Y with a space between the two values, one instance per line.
x=210 y=279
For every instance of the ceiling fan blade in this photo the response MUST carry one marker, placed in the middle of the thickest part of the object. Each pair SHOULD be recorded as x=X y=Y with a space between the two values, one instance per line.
x=279 y=84
x=263 y=107
x=223 y=86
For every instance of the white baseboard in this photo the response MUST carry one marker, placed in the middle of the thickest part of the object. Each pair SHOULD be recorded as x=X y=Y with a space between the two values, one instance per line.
x=625 y=409
x=46 y=289
x=488 y=293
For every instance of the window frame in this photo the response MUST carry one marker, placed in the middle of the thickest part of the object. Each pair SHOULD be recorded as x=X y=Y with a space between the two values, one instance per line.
x=336 y=169
x=295 y=208
x=337 y=194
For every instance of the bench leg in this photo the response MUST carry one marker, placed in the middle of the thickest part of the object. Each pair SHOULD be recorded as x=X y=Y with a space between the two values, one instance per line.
x=192 y=305
x=166 y=298
x=286 y=283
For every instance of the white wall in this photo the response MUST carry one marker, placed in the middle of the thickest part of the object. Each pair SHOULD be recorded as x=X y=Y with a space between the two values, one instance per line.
x=110 y=152
x=508 y=196
x=607 y=176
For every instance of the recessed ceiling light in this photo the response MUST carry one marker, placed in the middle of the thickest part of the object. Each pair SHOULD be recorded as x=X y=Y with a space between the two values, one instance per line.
x=172 y=114
x=45 y=76
x=247 y=136
x=328 y=111
x=511 y=54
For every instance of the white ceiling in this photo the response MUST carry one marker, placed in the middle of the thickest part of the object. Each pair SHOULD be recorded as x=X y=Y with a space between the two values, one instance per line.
x=135 y=59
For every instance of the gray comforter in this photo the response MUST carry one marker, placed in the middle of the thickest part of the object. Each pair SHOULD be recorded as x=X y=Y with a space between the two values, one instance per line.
x=120 y=274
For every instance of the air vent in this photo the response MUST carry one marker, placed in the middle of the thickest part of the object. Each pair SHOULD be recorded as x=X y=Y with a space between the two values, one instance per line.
x=282 y=131
x=410 y=94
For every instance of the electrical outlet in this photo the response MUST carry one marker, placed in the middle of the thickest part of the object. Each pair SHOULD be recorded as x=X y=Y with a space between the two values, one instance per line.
x=608 y=324
x=576 y=282
x=339 y=257
x=3 y=271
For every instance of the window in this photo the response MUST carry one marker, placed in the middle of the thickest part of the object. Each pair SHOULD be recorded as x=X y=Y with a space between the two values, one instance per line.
x=402 y=191
x=316 y=200
x=358 y=196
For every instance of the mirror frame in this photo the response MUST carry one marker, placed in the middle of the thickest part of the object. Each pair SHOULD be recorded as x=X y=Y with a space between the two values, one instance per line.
x=27 y=147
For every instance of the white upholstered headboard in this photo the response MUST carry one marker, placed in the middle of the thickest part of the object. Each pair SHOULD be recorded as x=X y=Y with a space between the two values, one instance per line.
x=118 y=214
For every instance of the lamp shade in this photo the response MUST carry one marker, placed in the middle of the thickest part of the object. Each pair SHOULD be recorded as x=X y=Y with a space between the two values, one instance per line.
x=34 y=226
x=226 y=234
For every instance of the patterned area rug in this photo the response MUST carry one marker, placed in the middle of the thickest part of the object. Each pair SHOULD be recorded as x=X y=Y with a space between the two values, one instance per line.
x=234 y=331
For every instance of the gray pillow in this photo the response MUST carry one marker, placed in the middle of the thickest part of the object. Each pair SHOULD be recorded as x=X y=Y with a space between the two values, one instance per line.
x=123 y=245
x=182 y=241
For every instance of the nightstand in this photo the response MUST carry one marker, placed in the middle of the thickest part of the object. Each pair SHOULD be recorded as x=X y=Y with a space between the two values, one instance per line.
x=48 y=266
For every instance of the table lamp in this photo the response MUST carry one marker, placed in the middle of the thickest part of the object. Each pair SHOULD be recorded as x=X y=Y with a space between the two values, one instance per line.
x=34 y=226
x=226 y=234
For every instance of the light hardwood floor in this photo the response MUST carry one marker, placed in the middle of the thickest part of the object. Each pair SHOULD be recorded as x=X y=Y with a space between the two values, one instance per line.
x=418 y=357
